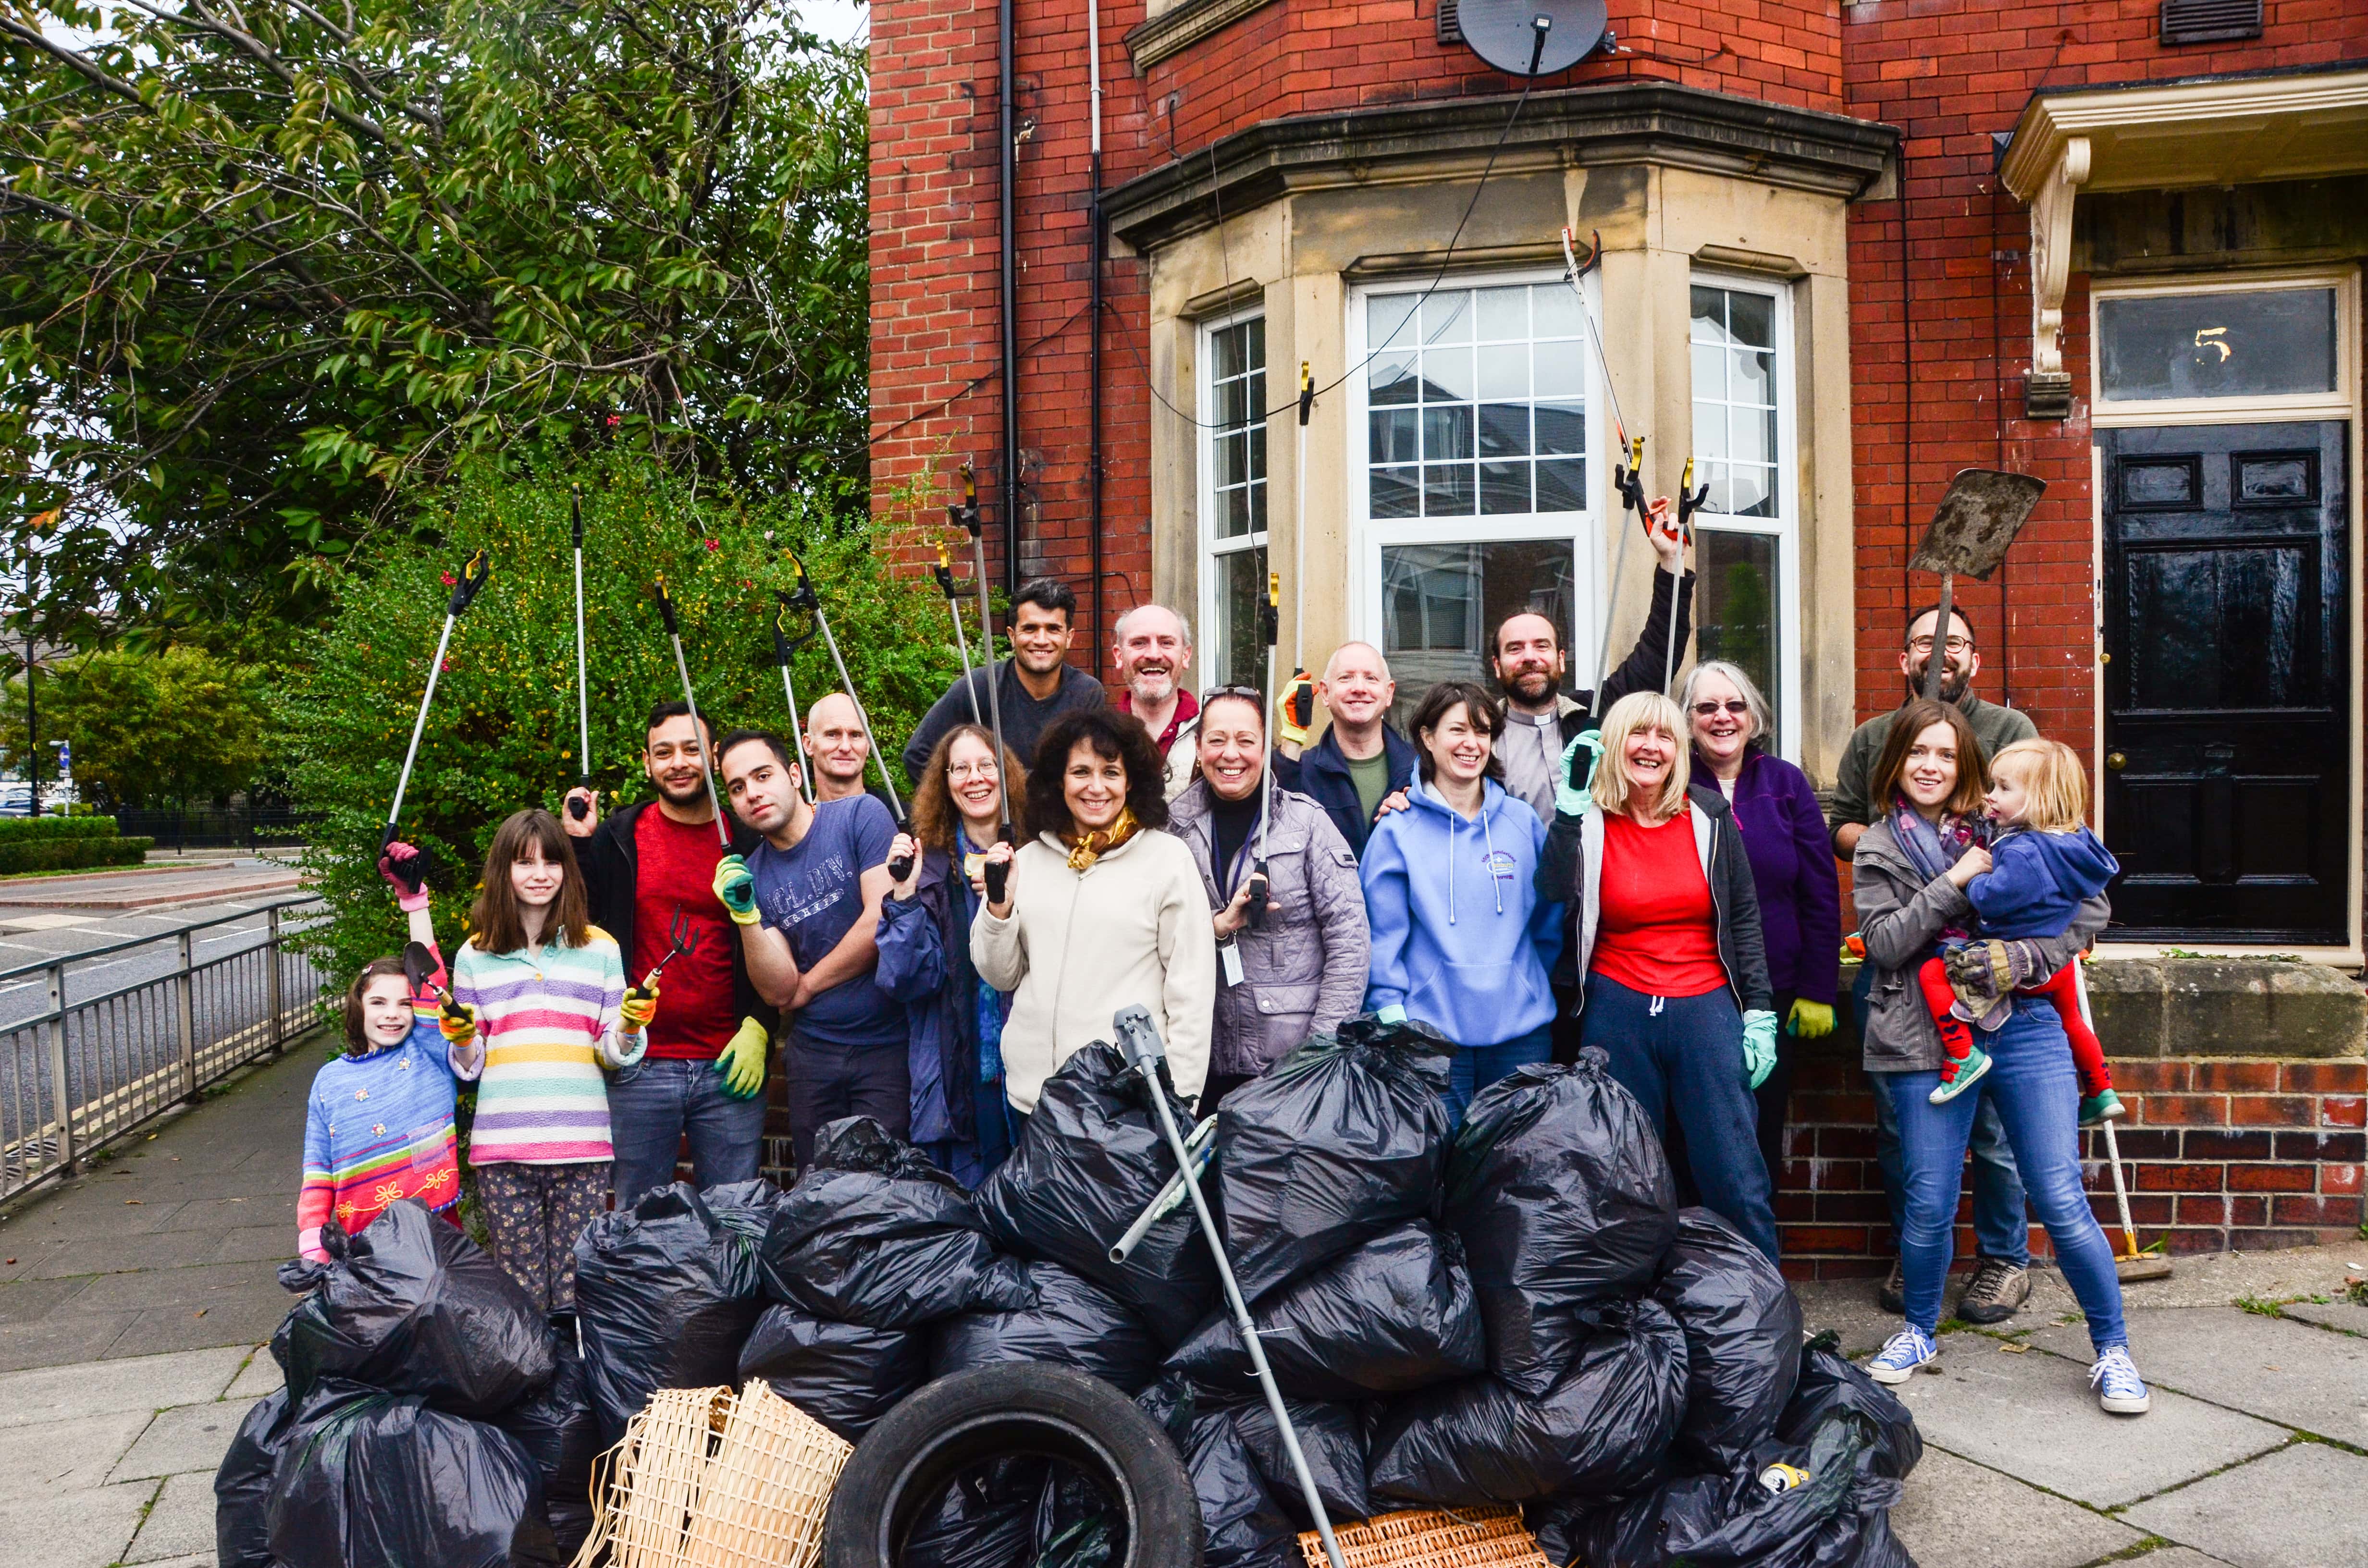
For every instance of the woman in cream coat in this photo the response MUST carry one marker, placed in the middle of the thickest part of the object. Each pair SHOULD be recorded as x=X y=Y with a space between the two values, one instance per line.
x=1100 y=911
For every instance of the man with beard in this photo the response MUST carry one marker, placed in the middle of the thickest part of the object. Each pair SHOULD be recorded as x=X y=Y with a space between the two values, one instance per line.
x=1526 y=655
x=704 y=1071
x=1152 y=645
x=1035 y=686
x=840 y=750
x=818 y=878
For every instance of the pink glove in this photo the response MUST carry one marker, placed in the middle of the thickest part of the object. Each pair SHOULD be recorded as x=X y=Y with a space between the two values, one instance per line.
x=403 y=866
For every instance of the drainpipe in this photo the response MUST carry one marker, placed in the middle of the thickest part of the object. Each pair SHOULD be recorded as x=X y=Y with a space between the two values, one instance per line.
x=1094 y=312
x=1008 y=317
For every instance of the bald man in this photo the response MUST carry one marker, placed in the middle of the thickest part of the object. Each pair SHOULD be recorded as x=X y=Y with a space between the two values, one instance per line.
x=1150 y=647
x=1361 y=760
x=834 y=740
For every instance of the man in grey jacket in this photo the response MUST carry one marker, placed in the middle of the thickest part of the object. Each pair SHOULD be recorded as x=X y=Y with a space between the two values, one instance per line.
x=1300 y=970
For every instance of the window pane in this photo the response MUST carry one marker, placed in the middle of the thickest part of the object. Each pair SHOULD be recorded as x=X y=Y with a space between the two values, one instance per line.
x=1233 y=453
x=1554 y=311
x=1504 y=489
x=1504 y=429
x=1447 y=489
x=1560 y=368
x=1393 y=435
x=1504 y=369
x=1235 y=658
x=1709 y=310
x=1751 y=318
x=1735 y=370
x=2232 y=345
x=1446 y=433
x=1741 y=491
x=1447 y=317
x=1710 y=371
x=1710 y=428
x=1562 y=485
x=1562 y=428
x=1736 y=577
x=1395 y=494
x=1389 y=320
x=1392 y=379
x=1439 y=601
x=1447 y=375
x=1751 y=434
x=1504 y=315
x=1751 y=378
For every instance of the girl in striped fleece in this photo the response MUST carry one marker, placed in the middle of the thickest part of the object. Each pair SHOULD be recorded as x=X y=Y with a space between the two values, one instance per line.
x=544 y=991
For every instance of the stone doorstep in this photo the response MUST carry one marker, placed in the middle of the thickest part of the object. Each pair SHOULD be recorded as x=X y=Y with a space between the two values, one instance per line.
x=2227 y=1007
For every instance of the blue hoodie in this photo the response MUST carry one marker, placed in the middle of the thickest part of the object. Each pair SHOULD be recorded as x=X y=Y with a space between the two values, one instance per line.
x=2037 y=880
x=1460 y=940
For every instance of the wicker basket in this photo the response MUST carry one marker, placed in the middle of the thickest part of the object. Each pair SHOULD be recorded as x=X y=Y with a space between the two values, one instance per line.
x=1432 y=1538
x=705 y=1479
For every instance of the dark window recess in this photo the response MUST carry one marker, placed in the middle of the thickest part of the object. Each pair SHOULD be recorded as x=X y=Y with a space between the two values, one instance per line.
x=2200 y=21
x=1452 y=31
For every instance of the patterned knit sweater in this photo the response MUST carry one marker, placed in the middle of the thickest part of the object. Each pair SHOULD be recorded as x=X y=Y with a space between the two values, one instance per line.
x=549 y=1022
x=377 y=1128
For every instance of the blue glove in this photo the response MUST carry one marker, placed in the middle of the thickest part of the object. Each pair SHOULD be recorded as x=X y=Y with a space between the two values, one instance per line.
x=1758 y=1045
x=1571 y=799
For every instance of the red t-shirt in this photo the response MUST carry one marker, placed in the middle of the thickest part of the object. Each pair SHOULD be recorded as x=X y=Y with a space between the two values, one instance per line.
x=1656 y=931
x=696 y=1016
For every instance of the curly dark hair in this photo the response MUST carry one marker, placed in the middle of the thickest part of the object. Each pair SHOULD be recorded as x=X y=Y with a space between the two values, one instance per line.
x=1112 y=735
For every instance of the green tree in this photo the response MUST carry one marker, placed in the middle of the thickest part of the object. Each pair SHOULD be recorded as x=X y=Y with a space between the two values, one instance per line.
x=263 y=272
x=502 y=735
x=177 y=727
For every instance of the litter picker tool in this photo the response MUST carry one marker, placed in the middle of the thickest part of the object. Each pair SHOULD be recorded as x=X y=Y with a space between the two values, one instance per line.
x=1138 y=1039
x=473 y=573
x=1627 y=472
x=418 y=963
x=1302 y=695
x=580 y=809
x=1690 y=501
x=944 y=571
x=1203 y=1147
x=1971 y=529
x=1271 y=618
x=698 y=725
x=808 y=599
x=785 y=649
x=965 y=517
x=2130 y=1265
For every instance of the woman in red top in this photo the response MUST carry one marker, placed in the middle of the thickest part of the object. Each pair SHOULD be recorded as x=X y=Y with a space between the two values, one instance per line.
x=1665 y=928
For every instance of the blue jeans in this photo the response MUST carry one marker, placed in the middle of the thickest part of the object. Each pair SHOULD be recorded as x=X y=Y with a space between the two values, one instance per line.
x=654 y=1102
x=1477 y=1066
x=2032 y=1083
x=2000 y=1229
x=1685 y=1053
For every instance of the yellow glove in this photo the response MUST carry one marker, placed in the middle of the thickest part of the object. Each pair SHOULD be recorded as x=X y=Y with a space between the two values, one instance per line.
x=640 y=1005
x=1295 y=710
x=735 y=889
x=743 y=1061
x=1810 y=1020
x=458 y=1023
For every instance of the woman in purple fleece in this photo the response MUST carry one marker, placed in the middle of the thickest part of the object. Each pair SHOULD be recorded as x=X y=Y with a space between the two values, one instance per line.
x=1791 y=868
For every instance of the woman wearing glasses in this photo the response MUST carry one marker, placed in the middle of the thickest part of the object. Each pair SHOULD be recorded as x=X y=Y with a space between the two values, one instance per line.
x=1792 y=870
x=959 y=1116
x=1300 y=970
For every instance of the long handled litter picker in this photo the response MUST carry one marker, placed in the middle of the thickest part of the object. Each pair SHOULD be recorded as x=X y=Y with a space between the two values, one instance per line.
x=1271 y=615
x=965 y=517
x=785 y=649
x=1690 y=501
x=473 y=573
x=806 y=597
x=1138 y=1038
x=944 y=571
x=579 y=807
x=1627 y=475
x=1302 y=694
x=699 y=726
x=2129 y=1264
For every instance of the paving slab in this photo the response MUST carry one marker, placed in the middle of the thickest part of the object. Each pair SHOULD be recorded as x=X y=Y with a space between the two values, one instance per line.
x=187 y=1438
x=20 y=1259
x=2289 y=1372
x=2300 y=1508
x=54 y=1342
x=238 y=1320
x=1984 y=1406
x=2173 y=1557
x=202 y=1559
x=181 y=1524
x=171 y=1249
x=66 y=1456
x=1846 y=1306
x=140 y=1382
x=261 y=1376
x=2349 y=1316
x=27 y=1300
x=74 y=1529
x=1960 y=1515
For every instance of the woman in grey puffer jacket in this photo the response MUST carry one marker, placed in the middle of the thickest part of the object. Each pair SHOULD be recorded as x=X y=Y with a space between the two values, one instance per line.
x=1302 y=970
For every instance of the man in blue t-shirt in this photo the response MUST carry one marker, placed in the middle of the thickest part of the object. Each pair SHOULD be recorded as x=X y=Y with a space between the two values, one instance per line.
x=817 y=882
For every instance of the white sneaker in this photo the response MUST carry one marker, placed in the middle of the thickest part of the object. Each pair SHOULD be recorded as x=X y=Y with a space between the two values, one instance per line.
x=1906 y=1351
x=2120 y=1390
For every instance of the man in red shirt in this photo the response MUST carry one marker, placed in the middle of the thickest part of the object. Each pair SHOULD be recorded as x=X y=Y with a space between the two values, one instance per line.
x=650 y=873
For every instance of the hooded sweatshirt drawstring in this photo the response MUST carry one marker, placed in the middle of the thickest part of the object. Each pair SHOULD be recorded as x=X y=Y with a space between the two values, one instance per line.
x=1495 y=883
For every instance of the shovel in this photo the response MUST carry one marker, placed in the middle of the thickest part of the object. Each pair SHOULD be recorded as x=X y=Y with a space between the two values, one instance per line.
x=1971 y=528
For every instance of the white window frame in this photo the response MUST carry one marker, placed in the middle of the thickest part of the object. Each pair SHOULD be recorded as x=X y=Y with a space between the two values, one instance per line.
x=1786 y=524
x=1210 y=547
x=1582 y=529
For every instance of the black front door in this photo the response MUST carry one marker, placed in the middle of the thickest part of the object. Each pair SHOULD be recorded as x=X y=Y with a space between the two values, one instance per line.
x=2229 y=685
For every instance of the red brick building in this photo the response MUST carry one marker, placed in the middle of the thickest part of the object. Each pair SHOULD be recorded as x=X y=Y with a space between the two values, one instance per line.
x=1848 y=249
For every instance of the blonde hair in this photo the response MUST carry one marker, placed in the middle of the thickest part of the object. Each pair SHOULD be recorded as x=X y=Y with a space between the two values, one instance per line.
x=1641 y=710
x=2055 y=785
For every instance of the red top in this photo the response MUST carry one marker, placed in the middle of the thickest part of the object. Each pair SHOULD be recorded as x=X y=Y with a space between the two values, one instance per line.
x=1187 y=706
x=696 y=1018
x=1656 y=931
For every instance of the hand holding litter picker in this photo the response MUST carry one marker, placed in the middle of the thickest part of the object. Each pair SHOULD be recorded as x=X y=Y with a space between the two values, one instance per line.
x=472 y=577
x=1689 y=500
x=1269 y=615
x=1299 y=695
x=578 y=805
x=698 y=725
x=965 y=516
x=785 y=648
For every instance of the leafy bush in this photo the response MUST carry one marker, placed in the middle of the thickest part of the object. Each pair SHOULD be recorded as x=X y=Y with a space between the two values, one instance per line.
x=502 y=735
x=180 y=725
x=69 y=854
x=15 y=830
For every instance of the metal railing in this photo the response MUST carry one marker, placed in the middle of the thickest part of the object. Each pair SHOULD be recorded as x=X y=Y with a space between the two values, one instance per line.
x=91 y=1068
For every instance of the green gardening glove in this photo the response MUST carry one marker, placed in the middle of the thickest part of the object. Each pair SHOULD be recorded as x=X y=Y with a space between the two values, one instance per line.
x=735 y=887
x=743 y=1061
x=1570 y=785
x=1810 y=1020
x=1758 y=1045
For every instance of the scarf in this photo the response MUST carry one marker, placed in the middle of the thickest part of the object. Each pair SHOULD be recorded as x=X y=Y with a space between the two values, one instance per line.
x=1086 y=849
x=1932 y=847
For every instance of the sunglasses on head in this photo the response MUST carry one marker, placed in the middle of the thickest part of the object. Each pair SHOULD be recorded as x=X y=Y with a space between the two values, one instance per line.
x=1247 y=693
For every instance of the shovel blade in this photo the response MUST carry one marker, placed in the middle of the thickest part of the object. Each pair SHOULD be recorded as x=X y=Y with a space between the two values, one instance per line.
x=1977 y=520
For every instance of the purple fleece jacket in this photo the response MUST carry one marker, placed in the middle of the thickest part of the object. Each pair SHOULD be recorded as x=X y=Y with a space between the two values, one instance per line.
x=1793 y=870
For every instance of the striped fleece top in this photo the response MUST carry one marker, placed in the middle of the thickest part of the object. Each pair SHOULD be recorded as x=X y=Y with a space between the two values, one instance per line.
x=548 y=1018
x=378 y=1128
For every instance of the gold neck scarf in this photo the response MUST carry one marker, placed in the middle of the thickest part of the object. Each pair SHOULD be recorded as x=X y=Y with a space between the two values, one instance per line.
x=1086 y=849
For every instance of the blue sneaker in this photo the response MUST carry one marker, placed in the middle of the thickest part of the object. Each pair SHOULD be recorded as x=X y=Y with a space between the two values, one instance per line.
x=1909 y=1348
x=2120 y=1390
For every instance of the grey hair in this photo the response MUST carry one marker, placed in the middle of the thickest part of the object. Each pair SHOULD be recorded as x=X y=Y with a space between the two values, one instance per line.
x=1763 y=723
x=1184 y=627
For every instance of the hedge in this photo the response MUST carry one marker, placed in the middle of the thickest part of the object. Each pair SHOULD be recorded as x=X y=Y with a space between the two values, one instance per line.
x=69 y=854
x=19 y=830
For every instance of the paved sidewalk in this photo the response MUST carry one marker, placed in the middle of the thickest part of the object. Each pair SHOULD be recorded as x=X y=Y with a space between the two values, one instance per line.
x=158 y=886
x=133 y=1300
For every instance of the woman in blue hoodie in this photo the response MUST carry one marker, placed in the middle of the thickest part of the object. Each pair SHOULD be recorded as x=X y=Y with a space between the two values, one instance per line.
x=1459 y=938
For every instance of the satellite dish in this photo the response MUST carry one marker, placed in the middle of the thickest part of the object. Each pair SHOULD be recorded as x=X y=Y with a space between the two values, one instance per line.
x=1507 y=34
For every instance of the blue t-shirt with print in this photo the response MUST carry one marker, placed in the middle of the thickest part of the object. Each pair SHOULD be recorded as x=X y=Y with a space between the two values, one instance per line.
x=812 y=894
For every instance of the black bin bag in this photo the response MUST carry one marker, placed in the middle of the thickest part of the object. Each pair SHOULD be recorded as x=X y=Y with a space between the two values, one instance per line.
x=874 y=1234
x=1393 y=1315
x=1242 y=1525
x=411 y=1306
x=666 y=1292
x=1072 y=1322
x=1559 y=1188
x=1331 y=1439
x=1829 y=1383
x=986 y=1518
x=375 y=1479
x=243 y=1484
x=1339 y=1141
x=1603 y=1428
x=844 y=1375
x=561 y=1432
x=1743 y=1339
x=1089 y=1160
